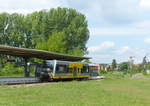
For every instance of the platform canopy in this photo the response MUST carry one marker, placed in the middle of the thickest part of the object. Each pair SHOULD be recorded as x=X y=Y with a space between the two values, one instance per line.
x=41 y=54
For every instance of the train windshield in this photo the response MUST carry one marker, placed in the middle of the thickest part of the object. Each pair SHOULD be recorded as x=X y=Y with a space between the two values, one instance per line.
x=84 y=69
x=94 y=70
x=47 y=67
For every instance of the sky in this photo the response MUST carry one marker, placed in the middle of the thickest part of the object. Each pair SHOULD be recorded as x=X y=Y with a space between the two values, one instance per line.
x=118 y=28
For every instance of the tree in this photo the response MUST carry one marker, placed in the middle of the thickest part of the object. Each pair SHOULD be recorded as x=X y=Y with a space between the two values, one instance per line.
x=60 y=30
x=124 y=66
x=55 y=43
x=144 y=63
x=114 y=64
x=3 y=28
x=69 y=22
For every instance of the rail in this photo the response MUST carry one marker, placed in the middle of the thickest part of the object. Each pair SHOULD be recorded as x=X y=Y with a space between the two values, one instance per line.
x=18 y=80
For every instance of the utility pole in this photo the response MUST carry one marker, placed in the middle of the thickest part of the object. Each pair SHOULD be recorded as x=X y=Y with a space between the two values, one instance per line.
x=144 y=63
x=131 y=61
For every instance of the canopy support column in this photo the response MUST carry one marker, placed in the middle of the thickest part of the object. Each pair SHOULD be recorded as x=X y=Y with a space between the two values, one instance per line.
x=26 y=68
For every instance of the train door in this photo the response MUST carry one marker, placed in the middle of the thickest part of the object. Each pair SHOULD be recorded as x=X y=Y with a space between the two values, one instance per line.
x=76 y=69
x=76 y=72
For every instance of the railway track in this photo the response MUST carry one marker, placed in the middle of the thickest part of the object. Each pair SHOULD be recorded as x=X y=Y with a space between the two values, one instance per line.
x=18 y=80
x=30 y=80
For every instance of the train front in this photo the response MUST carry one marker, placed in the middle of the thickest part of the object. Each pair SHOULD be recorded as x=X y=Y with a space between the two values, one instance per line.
x=94 y=70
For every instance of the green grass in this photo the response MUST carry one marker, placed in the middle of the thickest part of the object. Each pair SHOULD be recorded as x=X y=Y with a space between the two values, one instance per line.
x=108 y=92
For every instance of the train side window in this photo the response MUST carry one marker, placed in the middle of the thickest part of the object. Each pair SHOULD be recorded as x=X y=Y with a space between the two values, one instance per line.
x=70 y=70
x=84 y=69
x=61 y=68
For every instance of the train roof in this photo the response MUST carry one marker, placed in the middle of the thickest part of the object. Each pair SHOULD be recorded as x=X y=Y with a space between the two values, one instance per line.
x=41 y=54
x=93 y=64
x=65 y=62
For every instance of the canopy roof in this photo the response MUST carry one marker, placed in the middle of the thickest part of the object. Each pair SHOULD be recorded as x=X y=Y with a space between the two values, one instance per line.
x=41 y=54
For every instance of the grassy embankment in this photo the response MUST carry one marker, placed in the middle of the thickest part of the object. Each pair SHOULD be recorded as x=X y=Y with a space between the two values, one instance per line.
x=108 y=92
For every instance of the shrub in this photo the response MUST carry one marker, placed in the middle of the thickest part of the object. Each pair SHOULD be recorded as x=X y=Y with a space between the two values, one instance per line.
x=11 y=70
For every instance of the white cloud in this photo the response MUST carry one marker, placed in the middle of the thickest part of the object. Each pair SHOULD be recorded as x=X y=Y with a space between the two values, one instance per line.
x=114 y=10
x=123 y=53
x=143 y=24
x=123 y=50
x=99 y=58
x=147 y=40
x=120 y=11
x=145 y=3
x=103 y=46
x=106 y=18
x=27 y=6
x=118 y=31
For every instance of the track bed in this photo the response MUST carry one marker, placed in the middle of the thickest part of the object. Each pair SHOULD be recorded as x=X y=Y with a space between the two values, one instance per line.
x=18 y=80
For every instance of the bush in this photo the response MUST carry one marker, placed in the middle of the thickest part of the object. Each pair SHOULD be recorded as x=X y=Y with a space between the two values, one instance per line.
x=11 y=70
x=115 y=75
x=103 y=72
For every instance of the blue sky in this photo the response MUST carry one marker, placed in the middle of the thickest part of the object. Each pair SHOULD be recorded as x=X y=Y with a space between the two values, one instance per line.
x=118 y=28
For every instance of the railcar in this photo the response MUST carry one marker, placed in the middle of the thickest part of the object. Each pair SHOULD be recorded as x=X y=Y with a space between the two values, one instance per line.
x=60 y=70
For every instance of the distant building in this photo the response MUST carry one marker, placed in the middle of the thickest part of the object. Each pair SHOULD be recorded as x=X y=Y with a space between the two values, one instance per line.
x=107 y=67
x=104 y=67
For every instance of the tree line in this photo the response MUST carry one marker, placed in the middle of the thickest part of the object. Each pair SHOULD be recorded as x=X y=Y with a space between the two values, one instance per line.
x=127 y=68
x=59 y=30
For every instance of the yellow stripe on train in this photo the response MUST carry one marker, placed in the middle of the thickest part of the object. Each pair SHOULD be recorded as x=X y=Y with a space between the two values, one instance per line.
x=75 y=65
x=64 y=77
